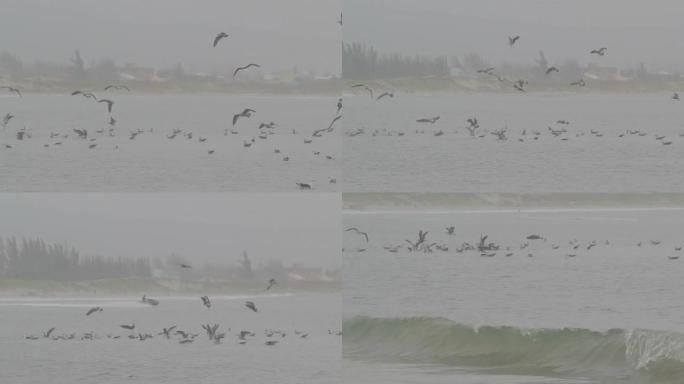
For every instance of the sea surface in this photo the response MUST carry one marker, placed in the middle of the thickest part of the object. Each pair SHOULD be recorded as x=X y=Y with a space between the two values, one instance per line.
x=597 y=300
x=394 y=153
x=153 y=162
x=106 y=359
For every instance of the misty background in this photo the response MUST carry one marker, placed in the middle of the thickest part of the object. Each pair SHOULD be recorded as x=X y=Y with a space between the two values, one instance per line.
x=279 y=35
x=633 y=31
x=213 y=228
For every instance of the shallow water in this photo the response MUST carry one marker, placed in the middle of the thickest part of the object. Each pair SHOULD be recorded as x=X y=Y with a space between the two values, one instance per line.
x=314 y=359
x=457 y=162
x=465 y=311
x=152 y=162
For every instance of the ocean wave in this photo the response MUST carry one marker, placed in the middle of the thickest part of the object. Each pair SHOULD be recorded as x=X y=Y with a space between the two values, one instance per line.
x=617 y=355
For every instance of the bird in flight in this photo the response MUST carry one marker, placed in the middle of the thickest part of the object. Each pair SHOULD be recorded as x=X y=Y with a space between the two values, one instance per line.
x=339 y=105
x=117 y=87
x=430 y=120
x=357 y=231
x=600 y=51
x=552 y=69
x=579 y=82
x=12 y=89
x=238 y=69
x=205 y=301
x=388 y=94
x=364 y=86
x=512 y=40
x=251 y=306
x=84 y=94
x=245 y=113
x=219 y=37
x=93 y=310
x=486 y=71
x=109 y=104
x=271 y=283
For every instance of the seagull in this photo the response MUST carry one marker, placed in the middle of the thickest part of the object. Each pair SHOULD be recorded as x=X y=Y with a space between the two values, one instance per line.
x=512 y=40
x=238 y=69
x=126 y=326
x=357 y=231
x=339 y=105
x=430 y=120
x=271 y=342
x=389 y=94
x=167 y=331
x=219 y=37
x=317 y=133
x=247 y=112
x=304 y=185
x=486 y=71
x=185 y=266
x=109 y=104
x=251 y=306
x=84 y=94
x=552 y=69
x=12 y=89
x=364 y=86
x=93 y=310
x=150 y=301
x=271 y=283
x=7 y=119
x=579 y=82
x=47 y=334
x=205 y=301
x=118 y=87
x=600 y=51
x=675 y=96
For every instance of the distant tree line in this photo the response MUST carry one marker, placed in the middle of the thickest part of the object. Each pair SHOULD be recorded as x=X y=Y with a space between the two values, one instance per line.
x=34 y=259
x=361 y=62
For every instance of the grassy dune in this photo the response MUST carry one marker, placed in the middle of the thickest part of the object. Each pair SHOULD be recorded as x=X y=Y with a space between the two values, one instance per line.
x=150 y=286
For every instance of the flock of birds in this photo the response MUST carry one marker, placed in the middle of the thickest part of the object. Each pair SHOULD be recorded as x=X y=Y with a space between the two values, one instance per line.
x=556 y=130
x=531 y=243
x=97 y=138
x=272 y=336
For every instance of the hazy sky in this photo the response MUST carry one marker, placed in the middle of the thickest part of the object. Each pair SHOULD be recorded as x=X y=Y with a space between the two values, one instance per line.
x=633 y=30
x=296 y=228
x=275 y=33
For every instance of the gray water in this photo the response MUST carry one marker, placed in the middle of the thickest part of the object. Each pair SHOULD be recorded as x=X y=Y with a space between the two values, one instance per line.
x=613 y=312
x=379 y=160
x=152 y=162
x=314 y=359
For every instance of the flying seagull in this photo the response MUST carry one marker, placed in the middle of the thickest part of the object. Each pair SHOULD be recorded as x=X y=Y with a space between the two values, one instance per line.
x=251 y=306
x=246 y=113
x=93 y=310
x=84 y=94
x=118 y=87
x=12 y=89
x=486 y=71
x=47 y=334
x=238 y=69
x=356 y=230
x=271 y=283
x=512 y=40
x=389 y=94
x=600 y=51
x=109 y=104
x=430 y=120
x=364 y=86
x=339 y=105
x=552 y=69
x=205 y=301
x=219 y=37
